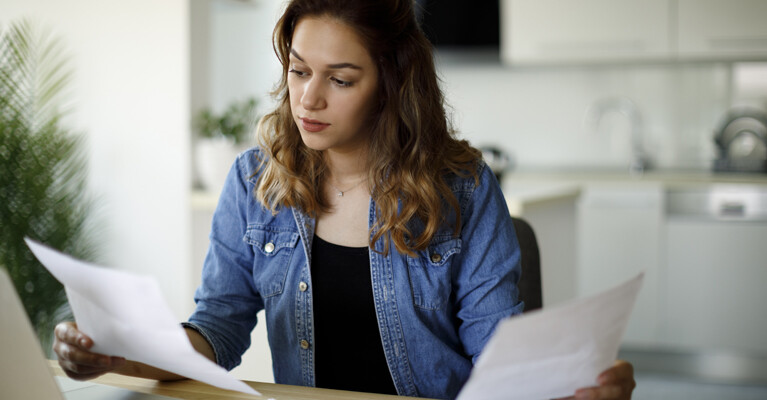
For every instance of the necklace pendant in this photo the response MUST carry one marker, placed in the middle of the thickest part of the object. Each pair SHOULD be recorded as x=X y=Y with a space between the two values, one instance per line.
x=340 y=194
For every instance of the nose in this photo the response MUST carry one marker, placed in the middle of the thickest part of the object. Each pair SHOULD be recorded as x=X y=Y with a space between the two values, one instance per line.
x=313 y=97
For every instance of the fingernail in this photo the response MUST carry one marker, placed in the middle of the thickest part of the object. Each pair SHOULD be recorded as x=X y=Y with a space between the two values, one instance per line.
x=83 y=342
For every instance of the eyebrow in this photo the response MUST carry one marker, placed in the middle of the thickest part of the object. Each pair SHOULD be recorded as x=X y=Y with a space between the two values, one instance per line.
x=331 y=66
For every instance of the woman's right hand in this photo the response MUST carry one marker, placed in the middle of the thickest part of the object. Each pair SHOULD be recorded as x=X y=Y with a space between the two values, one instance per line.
x=73 y=350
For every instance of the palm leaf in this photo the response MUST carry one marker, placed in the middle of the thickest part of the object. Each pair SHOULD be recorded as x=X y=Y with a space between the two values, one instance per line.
x=42 y=171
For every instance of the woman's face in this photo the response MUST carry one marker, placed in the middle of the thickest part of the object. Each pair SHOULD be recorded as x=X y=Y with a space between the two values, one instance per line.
x=332 y=83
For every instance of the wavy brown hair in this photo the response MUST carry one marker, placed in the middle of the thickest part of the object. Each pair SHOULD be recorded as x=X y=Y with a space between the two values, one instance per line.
x=412 y=145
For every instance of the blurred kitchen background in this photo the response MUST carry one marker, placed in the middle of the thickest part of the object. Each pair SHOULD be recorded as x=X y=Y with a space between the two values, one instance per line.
x=631 y=134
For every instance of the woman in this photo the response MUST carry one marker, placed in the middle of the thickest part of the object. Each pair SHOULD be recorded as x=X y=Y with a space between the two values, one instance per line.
x=379 y=245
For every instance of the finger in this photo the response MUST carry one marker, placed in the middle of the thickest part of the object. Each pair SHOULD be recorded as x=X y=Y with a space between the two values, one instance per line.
x=107 y=364
x=599 y=392
x=60 y=331
x=83 y=376
x=82 y=360
x=619 y=372
x=79 y=371
x=74 y=365
x=67 y=332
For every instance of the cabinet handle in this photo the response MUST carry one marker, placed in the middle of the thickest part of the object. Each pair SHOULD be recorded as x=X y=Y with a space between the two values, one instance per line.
x=743 y=42
x=607 y=46
x=732 y=209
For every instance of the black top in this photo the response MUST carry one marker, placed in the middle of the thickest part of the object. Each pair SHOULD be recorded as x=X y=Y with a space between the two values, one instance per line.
x=348 y=353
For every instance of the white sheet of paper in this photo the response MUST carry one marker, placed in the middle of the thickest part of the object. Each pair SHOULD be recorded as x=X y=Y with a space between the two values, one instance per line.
x=550 y=353
x=126 y=315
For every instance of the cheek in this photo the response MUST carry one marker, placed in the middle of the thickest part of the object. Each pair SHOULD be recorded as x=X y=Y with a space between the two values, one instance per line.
x=368 y=106
x=294 y=93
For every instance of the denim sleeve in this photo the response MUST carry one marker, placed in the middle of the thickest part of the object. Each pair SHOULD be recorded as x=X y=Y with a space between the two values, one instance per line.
x=485 y=282
x=227 y=301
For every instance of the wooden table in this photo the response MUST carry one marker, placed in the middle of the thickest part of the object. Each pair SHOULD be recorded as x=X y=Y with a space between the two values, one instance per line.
x=194 y=390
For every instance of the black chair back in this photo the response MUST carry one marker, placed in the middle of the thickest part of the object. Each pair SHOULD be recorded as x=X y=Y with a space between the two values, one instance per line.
x=530 y=287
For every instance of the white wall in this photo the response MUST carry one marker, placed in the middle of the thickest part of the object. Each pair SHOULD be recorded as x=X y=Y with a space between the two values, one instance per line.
x=243 y=63
x=231 y=60
x=130 y=98
x=538 y=114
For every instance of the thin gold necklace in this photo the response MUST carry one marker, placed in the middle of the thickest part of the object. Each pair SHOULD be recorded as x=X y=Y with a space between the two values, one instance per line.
x=339 y=192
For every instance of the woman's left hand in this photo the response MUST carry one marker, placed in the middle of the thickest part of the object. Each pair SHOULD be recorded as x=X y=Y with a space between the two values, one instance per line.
x=617 y=382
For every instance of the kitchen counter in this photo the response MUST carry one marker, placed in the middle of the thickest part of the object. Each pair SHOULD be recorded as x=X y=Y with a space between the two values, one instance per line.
x=667 y=177
x=528 y=188
x=522 y=195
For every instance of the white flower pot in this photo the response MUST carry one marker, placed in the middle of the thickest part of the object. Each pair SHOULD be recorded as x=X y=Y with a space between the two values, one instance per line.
x=214 y=158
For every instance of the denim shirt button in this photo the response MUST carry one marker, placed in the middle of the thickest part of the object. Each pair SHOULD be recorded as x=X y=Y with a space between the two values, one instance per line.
x=435 y=258
x=304 y=344
x=269 y=247
x=302 y=286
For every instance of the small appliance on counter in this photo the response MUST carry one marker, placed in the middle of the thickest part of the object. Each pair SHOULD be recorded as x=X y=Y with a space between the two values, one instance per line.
x=498 y=160
x=742 y=141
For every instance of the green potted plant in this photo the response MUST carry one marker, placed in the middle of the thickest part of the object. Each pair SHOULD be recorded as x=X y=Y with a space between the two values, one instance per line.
x=42 y=173
x=220 y=137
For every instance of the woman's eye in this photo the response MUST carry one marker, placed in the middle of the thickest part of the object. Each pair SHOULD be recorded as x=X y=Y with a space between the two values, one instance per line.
x=340 y=82
x=297 y=72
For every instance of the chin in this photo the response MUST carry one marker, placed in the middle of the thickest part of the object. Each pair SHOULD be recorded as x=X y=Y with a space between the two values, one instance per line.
x=313 y=143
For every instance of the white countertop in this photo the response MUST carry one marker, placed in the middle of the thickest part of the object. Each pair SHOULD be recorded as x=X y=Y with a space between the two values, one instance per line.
x=527 y=188
x=525 y=194
x=666 y=177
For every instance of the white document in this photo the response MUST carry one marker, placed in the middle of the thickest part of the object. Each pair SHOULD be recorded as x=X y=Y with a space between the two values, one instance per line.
x=126 y=316
x=549 y=353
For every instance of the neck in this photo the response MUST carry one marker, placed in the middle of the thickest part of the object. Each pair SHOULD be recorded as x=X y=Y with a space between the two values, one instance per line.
x=346 y=168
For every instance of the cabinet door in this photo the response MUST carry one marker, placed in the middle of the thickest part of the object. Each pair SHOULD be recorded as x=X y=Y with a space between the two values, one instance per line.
x=722 y=29
x=715 y=293
x=619 y=236
x=564 y=31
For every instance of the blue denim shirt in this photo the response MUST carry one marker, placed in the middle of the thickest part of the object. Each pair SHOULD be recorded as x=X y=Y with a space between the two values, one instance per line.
x=435 y=311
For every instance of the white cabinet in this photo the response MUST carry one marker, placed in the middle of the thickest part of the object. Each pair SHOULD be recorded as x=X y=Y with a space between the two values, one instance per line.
x=722 y=29
x=715 y=286
x=540 y=32
x=618 y=236
x=552 y=31
x=716 y=269
x=550 y=210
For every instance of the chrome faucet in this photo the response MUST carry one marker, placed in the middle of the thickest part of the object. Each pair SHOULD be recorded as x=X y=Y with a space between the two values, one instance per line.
x=639 y=161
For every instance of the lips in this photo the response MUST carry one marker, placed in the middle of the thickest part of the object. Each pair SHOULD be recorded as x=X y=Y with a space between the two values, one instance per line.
x=313 y=125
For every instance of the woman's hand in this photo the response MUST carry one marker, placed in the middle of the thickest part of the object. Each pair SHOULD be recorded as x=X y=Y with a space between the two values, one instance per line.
x=617 y=382
x=73 y=350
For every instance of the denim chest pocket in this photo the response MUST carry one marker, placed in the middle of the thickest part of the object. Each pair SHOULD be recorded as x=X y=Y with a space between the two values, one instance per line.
x=430 y=273
x=273 y=250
